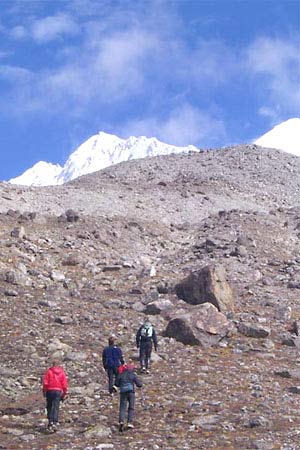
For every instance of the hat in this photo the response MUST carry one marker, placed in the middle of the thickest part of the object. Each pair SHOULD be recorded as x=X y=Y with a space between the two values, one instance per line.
x=111 y=340
x=122 y=368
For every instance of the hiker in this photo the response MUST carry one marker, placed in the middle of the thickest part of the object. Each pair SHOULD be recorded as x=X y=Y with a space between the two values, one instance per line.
x=55 y=387
x=126 y=381
x=112 y=358
x=144 y=338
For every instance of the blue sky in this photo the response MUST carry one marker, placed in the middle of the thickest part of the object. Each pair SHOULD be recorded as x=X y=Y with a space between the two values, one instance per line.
x=202 y=72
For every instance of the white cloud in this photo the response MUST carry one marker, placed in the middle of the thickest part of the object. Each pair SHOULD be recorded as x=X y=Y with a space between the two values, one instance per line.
x=278 y=62
x=101 y=72
x=121 y=58
x=272 y=113
x=122 y=50
x=15 y=74
x=19 y=32
x=212 y=61
x=183 y=126
x=49 y=28
x=120 y=54
x=45 y=29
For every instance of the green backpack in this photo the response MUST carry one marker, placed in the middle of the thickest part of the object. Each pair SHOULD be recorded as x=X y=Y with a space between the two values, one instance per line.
x=147 y=330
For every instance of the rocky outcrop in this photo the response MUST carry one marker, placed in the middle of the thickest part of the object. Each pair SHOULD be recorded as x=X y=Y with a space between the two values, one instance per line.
x=207 y=285
x=204 y=326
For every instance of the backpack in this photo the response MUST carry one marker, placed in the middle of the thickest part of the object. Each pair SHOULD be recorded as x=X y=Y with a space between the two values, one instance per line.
x=126 y=387
x=113 y=355
x=147 y=330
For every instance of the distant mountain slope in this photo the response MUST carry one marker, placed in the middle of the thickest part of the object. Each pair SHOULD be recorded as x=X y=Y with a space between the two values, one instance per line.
x=285 y=136
x=104 y=150
x=179 y=188
x=98 y=152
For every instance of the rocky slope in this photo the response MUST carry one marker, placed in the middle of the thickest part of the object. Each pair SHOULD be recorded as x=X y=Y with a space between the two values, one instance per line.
x=68 y=279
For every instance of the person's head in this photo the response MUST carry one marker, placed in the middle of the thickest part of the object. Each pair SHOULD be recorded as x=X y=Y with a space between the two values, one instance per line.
x=130 y=366
x=147 y=321
x=55 y=362
x=111 y=340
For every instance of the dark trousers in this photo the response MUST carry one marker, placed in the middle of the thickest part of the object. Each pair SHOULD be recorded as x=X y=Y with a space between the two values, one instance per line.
x=127 y=398
x=53 y=399
x=145 y=353
x=112 y=372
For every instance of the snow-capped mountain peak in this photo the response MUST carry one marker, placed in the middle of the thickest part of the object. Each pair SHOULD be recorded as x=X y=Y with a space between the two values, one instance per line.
x=285 y=136
x=99 y=151
x=41 y=174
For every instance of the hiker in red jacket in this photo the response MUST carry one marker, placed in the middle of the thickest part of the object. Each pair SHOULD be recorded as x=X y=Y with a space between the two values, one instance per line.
x=55 y=387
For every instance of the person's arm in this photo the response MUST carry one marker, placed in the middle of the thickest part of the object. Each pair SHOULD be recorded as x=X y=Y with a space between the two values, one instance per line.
x=45 y=382
x=154 y=338
x=64 y=384
x=137 y=381
x=104 y=359
x=138 y=338
x=121 y=357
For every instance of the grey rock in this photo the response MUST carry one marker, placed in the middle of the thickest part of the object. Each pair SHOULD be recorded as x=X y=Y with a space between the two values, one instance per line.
x=98 y=431
x=204 y=326
x=253 y=330
x=18 y=232
x=71 y=215
x=158 y=306
x=64 y=320
x=11 y=293
x=56 y=275
x=207 y=285
x=296 y=327
x=284 y=313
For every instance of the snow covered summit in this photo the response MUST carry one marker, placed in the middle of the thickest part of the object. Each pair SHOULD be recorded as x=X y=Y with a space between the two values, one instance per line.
x=41 y=174
x=98 y=152
x=285 y=136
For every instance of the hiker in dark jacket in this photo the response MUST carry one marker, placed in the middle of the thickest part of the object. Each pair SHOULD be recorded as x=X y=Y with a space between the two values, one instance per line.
x=112 y=358
x=144 y=338
x=126 y=381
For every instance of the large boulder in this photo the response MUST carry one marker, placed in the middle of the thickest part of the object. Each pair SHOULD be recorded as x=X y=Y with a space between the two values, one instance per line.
x=158 y=306
x=207 y=285
x=204 y=326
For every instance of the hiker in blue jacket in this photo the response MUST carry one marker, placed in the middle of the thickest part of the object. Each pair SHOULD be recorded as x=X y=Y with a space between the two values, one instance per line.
x=144 y=338
x=112 y=358
x=126 y=381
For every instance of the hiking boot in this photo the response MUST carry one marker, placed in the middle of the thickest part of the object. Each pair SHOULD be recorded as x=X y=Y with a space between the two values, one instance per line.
x=143 y=370
x=114 y=388
x=121 y=427
x=51 y=427
x=147 y=371
x=130 y=426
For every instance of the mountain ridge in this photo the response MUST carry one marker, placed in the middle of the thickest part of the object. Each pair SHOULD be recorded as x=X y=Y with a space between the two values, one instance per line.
x=103 y=150
x=96 y=153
